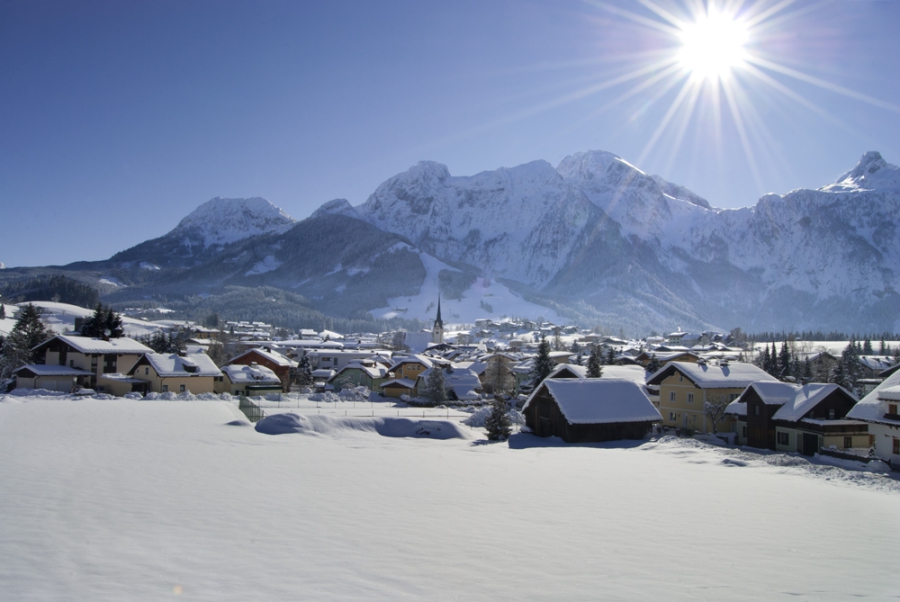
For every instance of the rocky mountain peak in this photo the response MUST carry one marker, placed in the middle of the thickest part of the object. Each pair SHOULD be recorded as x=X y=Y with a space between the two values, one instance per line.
x=221 y=221
x=336 y=207
x=871 y=173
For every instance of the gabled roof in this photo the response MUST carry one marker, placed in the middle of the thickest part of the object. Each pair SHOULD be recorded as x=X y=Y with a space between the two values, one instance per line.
x=734 y=375
x=871 y=407
x=634 y=373
x=890 y=393
x=171 y=364
x=795 y=400
x=45 y=370
x=412 y=359
x=89 y=345
x=599 y=400
x=252 y=375
x=374 y=371
x=275 y=358
x=399 y=382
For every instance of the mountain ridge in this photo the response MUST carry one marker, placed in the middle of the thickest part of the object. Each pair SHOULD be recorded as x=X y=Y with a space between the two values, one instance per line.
x=595 y=239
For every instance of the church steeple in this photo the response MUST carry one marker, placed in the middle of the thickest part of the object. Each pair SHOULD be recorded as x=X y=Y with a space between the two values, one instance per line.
x=437 y=332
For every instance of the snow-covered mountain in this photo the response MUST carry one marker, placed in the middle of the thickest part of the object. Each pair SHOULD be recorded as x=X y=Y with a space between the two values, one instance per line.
x=222 y=221
x=207 y=230
x=594 y=239
x=598 y=230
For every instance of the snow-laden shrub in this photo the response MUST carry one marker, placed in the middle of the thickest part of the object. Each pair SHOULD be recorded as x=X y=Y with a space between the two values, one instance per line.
x=355 y=393
x=327 y=397
x=480 y=415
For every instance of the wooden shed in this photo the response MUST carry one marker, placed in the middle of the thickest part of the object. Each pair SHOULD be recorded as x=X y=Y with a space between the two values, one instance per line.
x=590 y=410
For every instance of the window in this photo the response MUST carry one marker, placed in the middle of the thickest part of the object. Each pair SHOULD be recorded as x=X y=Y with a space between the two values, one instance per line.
x=892 y=408
x=672 y=396
x=146 y=371
x=680 y=377
x=848 y=442
x=181 y=388
x=784 y=438
x=756 y=410
x=690 y=398
x=165 y=388
x=673 y=416
x=896 y=446
x=831 y=414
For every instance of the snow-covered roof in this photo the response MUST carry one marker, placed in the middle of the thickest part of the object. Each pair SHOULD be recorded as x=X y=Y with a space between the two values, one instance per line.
x=795 y=400
x=373 y=371
x=737 y=408
x=252 y=375
x=876 y=362
x=871 y=407
x=272 y=356
x=323 y=373
x=172 y=364
x=634 y=373
x=86 y=345
x=734 y=375
x=599 y=400
x=46 y=370
x=415 y=358
x=890 y=393
x=400 y=382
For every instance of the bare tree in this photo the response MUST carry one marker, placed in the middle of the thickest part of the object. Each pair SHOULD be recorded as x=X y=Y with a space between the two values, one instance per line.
x=498 y=378
x=398 y=341
x=714 y=408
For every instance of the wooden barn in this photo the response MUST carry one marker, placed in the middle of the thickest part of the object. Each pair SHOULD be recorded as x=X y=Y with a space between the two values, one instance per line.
x=590 y=410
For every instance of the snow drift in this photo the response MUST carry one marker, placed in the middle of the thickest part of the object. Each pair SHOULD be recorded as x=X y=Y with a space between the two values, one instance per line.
x=281 y=424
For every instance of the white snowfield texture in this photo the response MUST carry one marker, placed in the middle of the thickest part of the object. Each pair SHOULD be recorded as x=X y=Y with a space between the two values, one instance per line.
x=114 y=500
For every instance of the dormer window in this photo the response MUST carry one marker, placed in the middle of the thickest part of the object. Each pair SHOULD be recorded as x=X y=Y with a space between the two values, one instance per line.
x=831 y=414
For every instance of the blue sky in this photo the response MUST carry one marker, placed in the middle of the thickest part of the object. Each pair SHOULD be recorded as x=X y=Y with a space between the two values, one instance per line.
x=117 y=119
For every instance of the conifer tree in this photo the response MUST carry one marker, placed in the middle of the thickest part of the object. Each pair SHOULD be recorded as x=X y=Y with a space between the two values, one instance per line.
x=654 y=364
x=594 y=369
x=543 y=365
x=3 y=316
x=435 y=389
x=610 y=357
x=498 y=424
x=784 y=361
x=28 y=332
x=765 y=360
x=848 y=370
x=103 y=323
x=304 y=372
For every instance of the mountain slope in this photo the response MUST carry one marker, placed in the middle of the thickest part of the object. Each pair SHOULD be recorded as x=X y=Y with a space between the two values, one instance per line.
x=207 y=230
x=594 y=239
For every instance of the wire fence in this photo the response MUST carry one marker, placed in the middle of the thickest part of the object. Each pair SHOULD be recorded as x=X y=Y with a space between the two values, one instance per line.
x=252 y=411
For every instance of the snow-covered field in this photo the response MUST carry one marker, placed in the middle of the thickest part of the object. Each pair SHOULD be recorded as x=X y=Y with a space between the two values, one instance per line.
x=142 y=500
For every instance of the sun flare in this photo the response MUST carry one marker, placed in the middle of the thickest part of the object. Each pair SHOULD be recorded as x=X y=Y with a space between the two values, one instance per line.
x=713 y=46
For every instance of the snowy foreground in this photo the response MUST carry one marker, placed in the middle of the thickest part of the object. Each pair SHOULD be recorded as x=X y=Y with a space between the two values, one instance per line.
x=143 y=500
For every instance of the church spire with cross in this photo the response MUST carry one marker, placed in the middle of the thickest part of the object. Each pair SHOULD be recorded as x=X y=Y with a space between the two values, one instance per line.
x=437 y=331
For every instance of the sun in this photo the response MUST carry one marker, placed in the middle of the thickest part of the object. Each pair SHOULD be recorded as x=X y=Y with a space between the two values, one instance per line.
x=712 y=46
